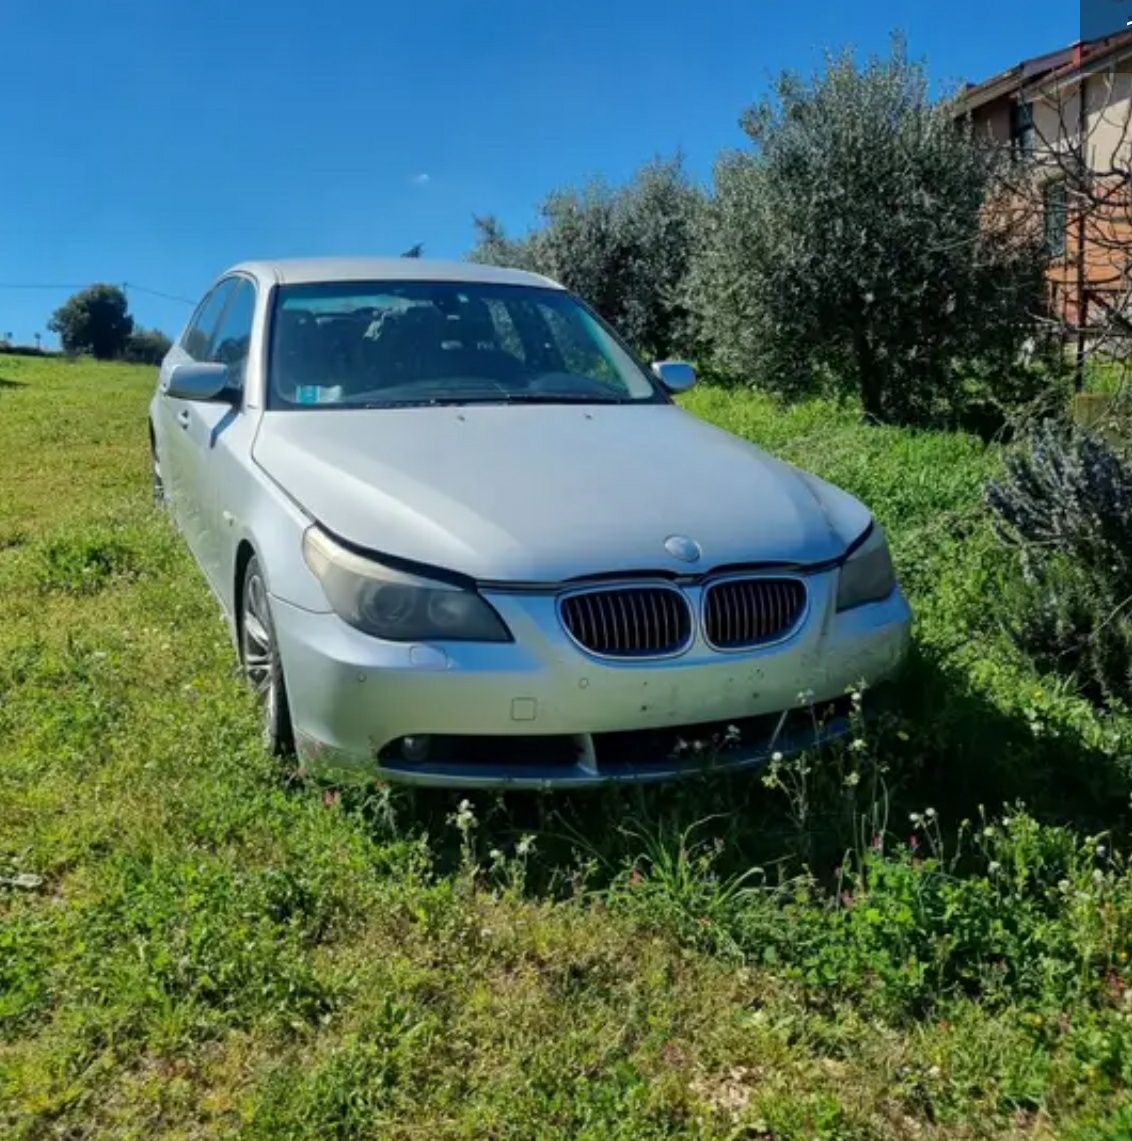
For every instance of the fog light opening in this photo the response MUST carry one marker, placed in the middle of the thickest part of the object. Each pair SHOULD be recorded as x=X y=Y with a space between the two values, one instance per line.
x=415 y=749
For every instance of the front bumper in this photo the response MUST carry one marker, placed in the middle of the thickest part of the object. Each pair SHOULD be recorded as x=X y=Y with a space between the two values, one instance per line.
x=352 y=697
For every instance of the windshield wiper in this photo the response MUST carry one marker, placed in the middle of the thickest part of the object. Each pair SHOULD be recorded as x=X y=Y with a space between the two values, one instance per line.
x=496 y=398
x=559 y=398
x=434 y=402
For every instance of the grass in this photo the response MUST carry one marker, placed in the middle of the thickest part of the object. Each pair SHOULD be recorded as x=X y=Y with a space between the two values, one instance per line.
x=873 y=942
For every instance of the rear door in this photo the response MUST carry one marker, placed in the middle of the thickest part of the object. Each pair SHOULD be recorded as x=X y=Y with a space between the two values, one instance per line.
x=175 y=416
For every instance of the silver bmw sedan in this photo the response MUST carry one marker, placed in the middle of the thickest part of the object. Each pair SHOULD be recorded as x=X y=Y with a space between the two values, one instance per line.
x=464 y=538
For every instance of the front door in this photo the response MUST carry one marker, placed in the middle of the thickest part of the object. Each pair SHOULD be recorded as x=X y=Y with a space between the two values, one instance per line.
x=175 y=416
x=212 y=470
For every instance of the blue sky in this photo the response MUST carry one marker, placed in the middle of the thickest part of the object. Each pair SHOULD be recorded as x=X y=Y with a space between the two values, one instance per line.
x=1103 y=17
x=157 y=143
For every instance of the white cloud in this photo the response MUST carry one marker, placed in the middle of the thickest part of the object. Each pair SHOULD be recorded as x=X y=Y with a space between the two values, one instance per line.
x=421 y=179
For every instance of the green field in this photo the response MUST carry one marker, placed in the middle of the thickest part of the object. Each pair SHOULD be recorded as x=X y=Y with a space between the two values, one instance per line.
x=923 y=933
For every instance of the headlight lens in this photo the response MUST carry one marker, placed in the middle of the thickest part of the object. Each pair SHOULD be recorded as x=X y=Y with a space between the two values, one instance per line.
x=394 y=605
x=867 y=575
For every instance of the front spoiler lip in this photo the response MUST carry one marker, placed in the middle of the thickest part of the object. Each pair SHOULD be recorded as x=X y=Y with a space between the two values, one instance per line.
x=564 y=778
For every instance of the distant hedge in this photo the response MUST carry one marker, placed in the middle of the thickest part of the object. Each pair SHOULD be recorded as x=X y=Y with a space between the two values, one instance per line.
x=27 y=351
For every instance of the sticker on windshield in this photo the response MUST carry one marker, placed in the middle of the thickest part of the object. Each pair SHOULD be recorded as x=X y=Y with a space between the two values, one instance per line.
x=317 y=394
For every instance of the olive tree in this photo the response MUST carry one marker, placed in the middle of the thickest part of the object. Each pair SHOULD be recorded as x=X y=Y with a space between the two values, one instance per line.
x=95 y=320
x=855 y=247
x=494 y=247
x=625 y=250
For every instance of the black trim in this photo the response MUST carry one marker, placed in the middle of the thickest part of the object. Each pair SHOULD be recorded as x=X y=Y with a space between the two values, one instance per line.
x=406 y=566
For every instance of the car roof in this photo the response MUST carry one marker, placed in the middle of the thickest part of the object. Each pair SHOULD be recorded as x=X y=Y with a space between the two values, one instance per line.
x=302 y=271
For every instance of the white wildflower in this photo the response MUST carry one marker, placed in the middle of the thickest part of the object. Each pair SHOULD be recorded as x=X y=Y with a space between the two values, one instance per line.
x=525 y=845
x=465 y=818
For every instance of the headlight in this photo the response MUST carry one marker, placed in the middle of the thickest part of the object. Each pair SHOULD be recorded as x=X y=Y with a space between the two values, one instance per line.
x=867 y=575
x=394 y=605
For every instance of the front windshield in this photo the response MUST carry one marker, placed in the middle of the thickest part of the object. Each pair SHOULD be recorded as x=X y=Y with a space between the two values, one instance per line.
x=357 y=344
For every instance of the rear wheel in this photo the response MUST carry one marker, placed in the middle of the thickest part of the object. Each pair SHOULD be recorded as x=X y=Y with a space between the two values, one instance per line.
x=259 y=653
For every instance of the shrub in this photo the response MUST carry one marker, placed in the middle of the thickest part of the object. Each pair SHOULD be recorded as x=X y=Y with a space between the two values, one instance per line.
x=1064 y=504
x=146 y=346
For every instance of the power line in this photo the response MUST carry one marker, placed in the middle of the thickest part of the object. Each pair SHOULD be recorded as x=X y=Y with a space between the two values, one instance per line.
x=36 y=285
x=158 y=293
x=72 y=285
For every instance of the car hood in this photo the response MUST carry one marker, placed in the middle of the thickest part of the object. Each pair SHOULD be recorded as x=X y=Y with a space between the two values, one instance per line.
x=545 y=493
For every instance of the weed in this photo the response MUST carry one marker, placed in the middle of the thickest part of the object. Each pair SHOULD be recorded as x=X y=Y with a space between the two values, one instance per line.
x=83 y=564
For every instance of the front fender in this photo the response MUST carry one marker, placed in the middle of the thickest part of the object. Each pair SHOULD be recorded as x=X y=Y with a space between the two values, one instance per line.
x=269 y=522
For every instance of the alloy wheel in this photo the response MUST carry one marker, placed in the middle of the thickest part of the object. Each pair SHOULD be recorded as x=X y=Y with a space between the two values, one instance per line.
x=260 y=657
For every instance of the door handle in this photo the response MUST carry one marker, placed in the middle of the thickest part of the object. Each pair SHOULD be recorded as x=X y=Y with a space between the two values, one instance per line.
x=183 y=418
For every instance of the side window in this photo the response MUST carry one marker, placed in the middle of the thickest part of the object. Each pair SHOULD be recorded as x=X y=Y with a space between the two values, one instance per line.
x=1022 y=132
x=233 y=337
x=198 y=336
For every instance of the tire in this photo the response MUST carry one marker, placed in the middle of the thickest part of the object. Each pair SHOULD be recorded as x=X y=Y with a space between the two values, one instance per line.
x=159 y=500
x=259 y=655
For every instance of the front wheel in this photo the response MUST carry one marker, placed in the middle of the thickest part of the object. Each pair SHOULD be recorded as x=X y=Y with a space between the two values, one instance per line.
x=259 y=653
x=155 y=474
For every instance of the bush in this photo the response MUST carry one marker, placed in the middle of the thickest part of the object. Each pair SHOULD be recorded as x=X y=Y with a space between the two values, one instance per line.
x=1064 y=504
x=146 y=346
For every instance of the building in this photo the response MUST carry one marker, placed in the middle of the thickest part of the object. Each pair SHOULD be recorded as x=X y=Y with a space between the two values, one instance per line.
x=1069 y=114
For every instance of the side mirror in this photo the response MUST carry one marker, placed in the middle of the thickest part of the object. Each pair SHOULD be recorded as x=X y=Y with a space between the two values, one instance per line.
x=200 y=380
x=676 y=376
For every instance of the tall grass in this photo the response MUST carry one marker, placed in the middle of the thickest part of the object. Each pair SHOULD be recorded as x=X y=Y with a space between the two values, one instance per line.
x=872 y=941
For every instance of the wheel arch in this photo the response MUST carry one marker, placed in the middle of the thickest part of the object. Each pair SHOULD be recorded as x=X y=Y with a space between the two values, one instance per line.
x=245 y=552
